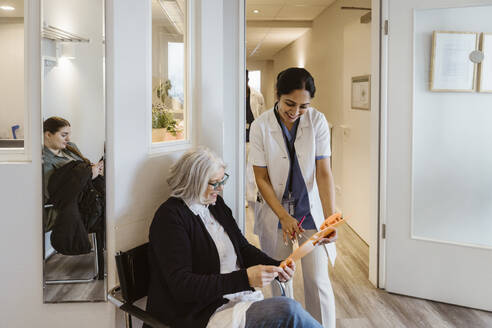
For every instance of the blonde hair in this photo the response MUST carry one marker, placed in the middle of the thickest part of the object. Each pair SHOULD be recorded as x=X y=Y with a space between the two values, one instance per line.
x=190 y=175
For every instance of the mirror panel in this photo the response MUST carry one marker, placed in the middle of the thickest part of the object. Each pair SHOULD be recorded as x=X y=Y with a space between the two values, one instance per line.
x=73 y=113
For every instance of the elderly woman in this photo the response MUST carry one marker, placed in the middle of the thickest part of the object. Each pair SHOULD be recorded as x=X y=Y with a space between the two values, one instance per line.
x=202 y=269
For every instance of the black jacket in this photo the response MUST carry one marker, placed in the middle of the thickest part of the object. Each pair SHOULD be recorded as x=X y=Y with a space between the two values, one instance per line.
x=69 y=187
x=186 y=286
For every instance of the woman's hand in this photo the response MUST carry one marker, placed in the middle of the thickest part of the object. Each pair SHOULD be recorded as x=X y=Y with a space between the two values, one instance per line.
x=97 y=169
x=290 y=227
x=332 y=237
x=288 y=271
x=262 y=275
x=101 y=167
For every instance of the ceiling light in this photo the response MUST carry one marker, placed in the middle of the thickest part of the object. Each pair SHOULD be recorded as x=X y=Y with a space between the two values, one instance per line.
x=68 y=50
x=256 y=11
x=8 y=8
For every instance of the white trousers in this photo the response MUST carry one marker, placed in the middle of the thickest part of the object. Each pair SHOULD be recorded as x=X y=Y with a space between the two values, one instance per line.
x=318 y=293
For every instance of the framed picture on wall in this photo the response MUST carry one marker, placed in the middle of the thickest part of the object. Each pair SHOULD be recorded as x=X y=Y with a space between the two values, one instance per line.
x=452 y=68
x=361 y=92
x=485 y=72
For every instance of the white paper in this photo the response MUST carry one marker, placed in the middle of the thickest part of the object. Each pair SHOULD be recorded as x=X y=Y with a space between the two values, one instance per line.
x=332 y=252
x=453 y=69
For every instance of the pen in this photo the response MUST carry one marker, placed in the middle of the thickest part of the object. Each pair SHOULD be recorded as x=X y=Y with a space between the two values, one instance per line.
x=299 y=225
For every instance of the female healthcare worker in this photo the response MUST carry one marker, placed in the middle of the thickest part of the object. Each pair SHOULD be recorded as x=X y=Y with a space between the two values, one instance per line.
x=290 y=153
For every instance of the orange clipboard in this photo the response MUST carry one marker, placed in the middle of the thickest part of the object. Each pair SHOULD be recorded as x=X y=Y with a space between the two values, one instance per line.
x=326 y=228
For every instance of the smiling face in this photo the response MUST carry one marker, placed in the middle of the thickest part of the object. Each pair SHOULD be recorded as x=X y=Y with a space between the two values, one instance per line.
x=210 y=195
x=293 y=105
x=58 y=141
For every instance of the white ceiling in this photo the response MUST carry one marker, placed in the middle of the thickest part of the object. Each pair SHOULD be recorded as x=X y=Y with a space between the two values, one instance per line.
x=162 y=20
x=277 y=24
x=17 y=4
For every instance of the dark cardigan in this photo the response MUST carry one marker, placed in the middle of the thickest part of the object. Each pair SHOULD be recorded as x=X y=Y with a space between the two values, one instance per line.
x=186 y=286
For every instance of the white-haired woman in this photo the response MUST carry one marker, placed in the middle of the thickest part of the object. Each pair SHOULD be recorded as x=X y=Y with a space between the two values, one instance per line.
x=202 y=269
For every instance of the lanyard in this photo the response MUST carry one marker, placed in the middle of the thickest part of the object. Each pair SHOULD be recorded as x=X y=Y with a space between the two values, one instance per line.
x=290 y=147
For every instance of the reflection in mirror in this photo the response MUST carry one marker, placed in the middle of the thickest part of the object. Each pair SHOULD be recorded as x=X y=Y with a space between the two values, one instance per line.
x=12 y=74
x=73 y=111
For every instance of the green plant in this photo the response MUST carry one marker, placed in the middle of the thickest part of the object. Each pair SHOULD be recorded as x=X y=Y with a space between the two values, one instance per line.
x=162 y=118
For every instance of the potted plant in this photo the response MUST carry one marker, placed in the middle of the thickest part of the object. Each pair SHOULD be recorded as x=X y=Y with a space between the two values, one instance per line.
x=164 y=126
x=163 y=123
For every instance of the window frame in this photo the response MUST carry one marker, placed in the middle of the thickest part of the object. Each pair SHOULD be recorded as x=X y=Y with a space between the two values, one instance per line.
x=31 y=44
x=164 y=147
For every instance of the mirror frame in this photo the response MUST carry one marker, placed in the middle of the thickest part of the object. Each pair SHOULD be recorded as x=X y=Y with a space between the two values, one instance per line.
x=104 y=101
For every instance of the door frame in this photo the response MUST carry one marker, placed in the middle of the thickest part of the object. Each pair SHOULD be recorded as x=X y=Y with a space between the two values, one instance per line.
x=383 y=33
x=379 y=61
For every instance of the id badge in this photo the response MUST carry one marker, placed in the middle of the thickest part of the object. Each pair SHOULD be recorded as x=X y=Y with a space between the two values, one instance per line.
x=289 y=204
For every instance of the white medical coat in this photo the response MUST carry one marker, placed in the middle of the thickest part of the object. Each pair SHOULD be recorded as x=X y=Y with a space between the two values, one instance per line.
x=267 y=149
x=257 y=104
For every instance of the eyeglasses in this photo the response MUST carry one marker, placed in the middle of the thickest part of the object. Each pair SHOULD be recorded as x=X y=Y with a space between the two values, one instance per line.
x=216 y=185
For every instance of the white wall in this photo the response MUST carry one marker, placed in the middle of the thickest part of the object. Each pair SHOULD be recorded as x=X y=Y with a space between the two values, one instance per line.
x=135 y=179
x=267 y=79
x=336 y=48
x=12 y=81
x=74 y=89
x=356 y=164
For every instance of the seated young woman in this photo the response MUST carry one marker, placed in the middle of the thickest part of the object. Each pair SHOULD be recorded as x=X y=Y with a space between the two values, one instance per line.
x=202 y=270
x=74 y=190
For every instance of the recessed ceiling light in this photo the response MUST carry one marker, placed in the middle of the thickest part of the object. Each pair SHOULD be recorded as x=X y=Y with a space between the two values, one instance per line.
x=8 y=8
x=256 y=11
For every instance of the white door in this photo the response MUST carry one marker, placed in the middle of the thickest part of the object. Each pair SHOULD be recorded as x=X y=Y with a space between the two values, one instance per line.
x=439 y=159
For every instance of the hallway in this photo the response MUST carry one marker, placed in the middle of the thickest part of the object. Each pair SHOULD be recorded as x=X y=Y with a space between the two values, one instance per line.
x=360 y=305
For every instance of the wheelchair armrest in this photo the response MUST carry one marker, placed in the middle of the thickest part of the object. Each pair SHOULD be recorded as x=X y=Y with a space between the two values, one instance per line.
x=114 y=296
x=280 y=285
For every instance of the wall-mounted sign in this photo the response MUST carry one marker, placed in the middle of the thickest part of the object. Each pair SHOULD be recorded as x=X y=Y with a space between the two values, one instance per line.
x=452 y=66
x=361 y=92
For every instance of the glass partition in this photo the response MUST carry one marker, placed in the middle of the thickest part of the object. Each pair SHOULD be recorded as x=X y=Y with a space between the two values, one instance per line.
x=169 y=68
x=452 y=161
x=12 y=105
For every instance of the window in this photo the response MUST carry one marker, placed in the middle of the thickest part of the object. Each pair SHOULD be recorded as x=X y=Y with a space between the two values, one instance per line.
x=255 y=80
x=170 y=110
x=12 y=88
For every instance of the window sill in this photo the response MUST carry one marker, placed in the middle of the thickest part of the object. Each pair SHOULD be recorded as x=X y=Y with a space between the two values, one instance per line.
x=10 y=155
x=166 y=147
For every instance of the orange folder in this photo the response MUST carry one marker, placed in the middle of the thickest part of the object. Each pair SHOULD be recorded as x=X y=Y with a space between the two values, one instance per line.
x=326 y=229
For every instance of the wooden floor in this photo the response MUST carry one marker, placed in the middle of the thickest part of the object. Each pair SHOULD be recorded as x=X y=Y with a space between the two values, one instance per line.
x=360 y=305
x=60 y=267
